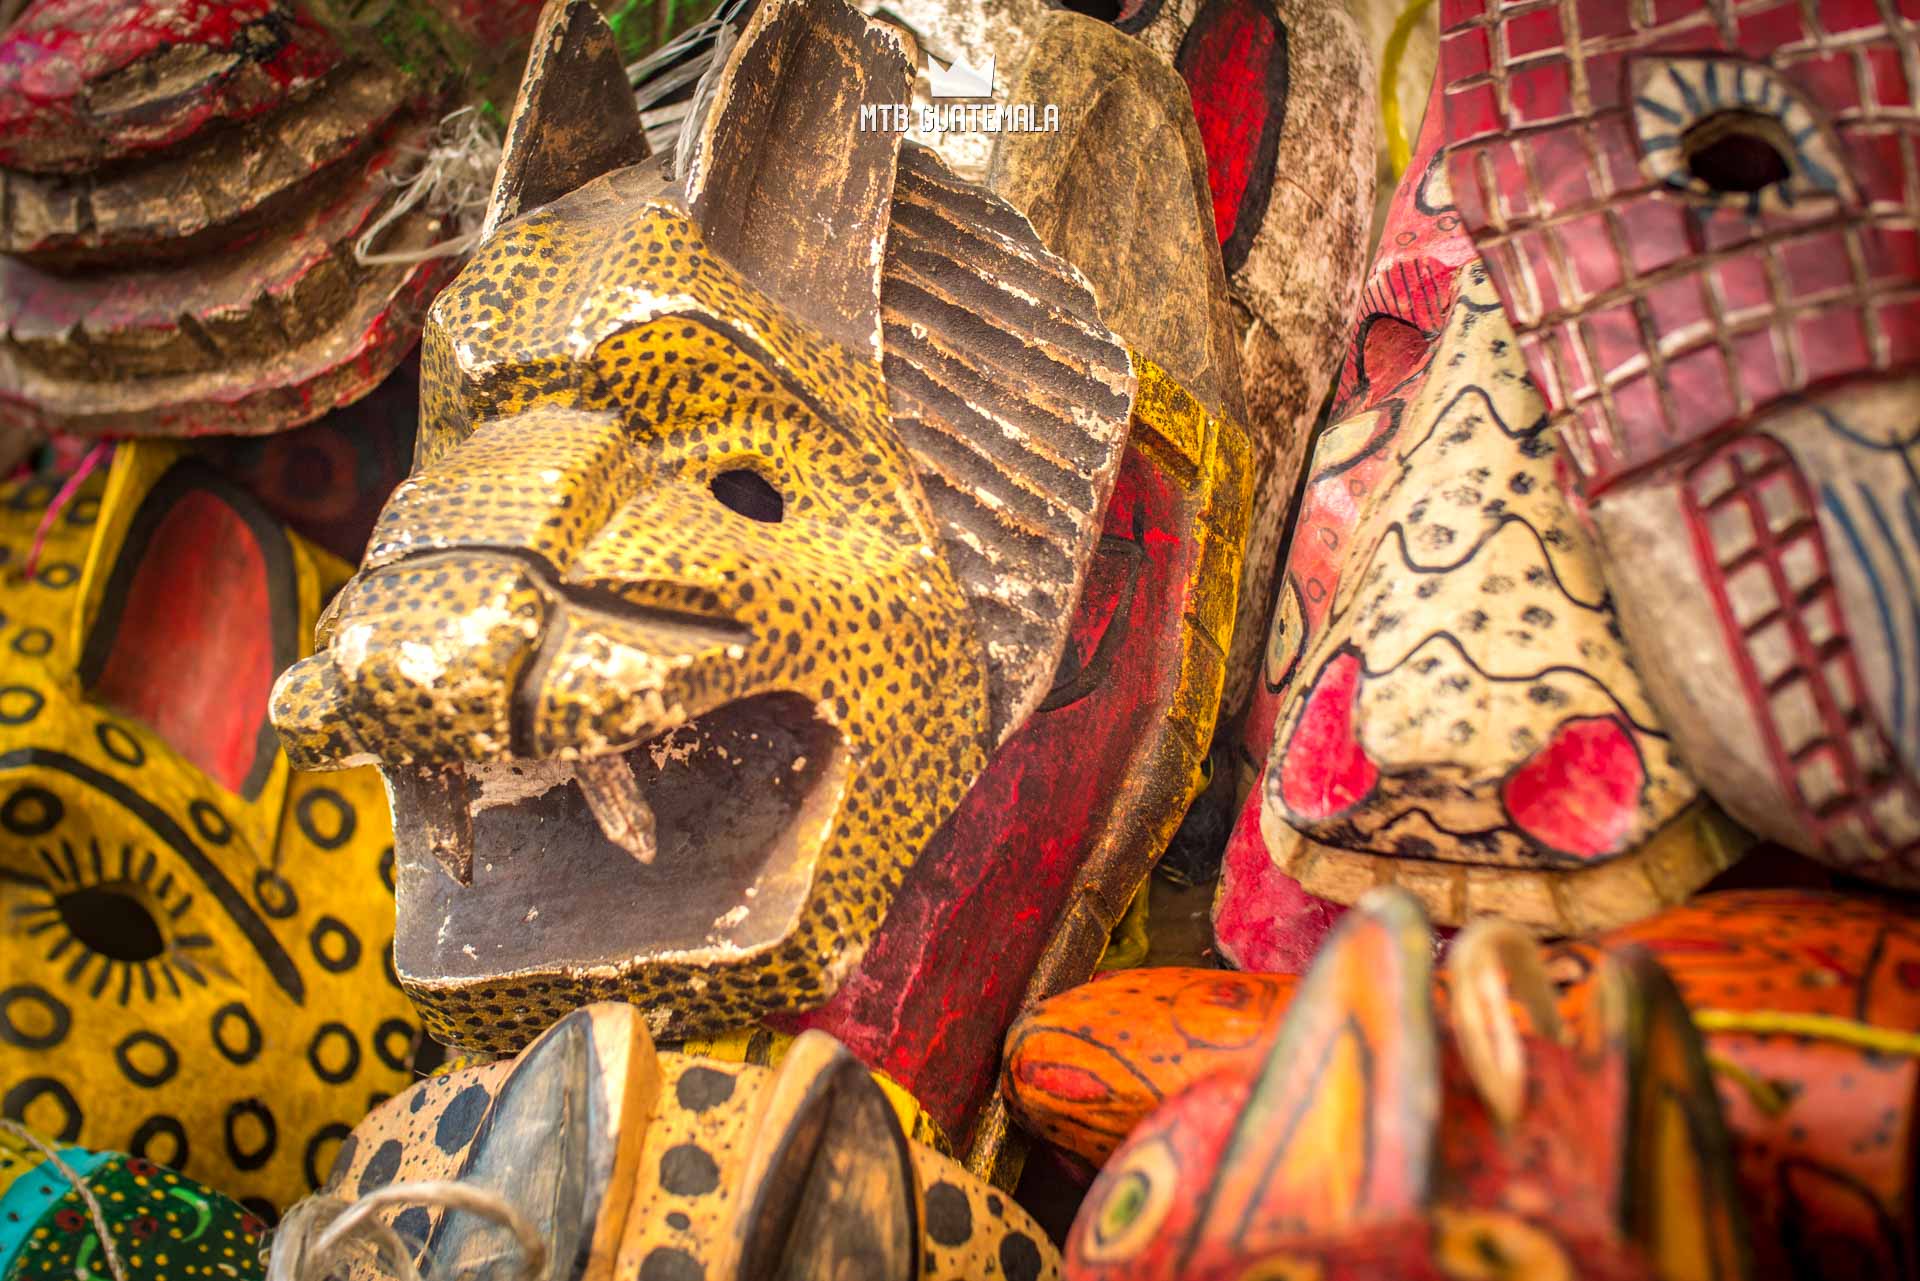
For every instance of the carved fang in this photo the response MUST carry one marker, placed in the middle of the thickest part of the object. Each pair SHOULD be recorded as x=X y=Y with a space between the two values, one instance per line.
x=624 y=816
x=432 y=807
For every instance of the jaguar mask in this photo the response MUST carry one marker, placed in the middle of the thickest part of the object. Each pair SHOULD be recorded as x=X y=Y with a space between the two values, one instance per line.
x=738 y=537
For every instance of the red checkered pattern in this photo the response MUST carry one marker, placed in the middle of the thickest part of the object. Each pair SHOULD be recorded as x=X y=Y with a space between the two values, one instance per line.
x=1653 y=323
x=1751 y=513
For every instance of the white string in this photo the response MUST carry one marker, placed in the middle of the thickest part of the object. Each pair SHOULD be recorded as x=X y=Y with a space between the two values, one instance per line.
x=453 y=178
x=650 y=77
x=94 y=1211
x=322 y=1233
x=702 y=100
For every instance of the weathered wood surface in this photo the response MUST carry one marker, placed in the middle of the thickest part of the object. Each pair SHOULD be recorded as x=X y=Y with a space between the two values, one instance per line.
x=1121 y=192
x=579 y=107
x=1282 y=100
x=183 y=194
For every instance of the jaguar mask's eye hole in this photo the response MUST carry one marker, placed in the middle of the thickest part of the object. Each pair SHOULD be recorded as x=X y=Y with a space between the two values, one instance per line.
x=113 y=920
x=1736 y=134
x=749 y=494
x=1738 y=152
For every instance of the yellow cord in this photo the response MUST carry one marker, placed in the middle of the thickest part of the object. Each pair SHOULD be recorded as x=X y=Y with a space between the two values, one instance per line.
x=1399 y=146
x=1824 y=1027
x=1765 y=1095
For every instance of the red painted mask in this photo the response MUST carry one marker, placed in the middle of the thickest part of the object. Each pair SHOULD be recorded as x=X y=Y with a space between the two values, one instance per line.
x=1702 y=224
x=186 y=184
x=1446 y=699
x=1369 y=1142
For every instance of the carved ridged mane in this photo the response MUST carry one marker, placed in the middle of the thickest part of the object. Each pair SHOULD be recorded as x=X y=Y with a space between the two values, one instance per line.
x=1014 y=399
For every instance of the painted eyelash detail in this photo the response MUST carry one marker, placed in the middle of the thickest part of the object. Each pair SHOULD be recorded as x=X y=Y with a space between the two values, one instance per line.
x=68 y=871
x=1677 y=99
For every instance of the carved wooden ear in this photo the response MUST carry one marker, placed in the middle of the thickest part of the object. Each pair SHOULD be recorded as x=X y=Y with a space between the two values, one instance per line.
x=193 y=568
x=1014 y=398
x=831 y=1188
x=574 y=118
x=784 y=183
x=1121 y=191
x=1339 y=1127
x=1679 y=1200
x=562 y=1143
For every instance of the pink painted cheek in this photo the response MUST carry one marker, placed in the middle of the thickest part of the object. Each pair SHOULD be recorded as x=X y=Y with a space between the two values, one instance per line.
x=1578 y=794
x=1325 y=771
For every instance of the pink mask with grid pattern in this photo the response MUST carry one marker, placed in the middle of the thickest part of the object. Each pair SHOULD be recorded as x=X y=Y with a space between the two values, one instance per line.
x=1704 y=220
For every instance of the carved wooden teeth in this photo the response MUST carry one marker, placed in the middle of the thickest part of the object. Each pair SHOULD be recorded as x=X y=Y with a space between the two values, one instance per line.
x=624 y=816
x=432 y=807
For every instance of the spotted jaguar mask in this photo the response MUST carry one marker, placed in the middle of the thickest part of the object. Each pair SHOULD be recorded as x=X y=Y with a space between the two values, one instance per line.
x=749 y=512
x=193 y=938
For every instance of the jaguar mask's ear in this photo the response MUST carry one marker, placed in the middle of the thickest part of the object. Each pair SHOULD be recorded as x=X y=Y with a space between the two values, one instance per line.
x=562 y=1141
x=574 y=118
x=785 y=184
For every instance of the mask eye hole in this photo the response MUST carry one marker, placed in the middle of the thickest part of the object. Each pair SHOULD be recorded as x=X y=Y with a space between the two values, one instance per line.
x=113 y=920
x=1725 y=132
x=748 y=494
x=1738 y=152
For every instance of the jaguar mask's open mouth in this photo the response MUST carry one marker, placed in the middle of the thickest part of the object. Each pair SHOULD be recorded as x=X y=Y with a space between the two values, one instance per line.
x=735 y=807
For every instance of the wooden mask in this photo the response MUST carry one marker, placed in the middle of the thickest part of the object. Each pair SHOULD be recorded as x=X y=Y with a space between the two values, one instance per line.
x=1447 y=701
x=1280 y=140
x=633 y=1163
x=1806 y=1003
x=157 y=1223
x=1058 y=833
x=196 y=941
x=1370 y=1142
x=738 y=538
x=1702 y=225
x=185 y=186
